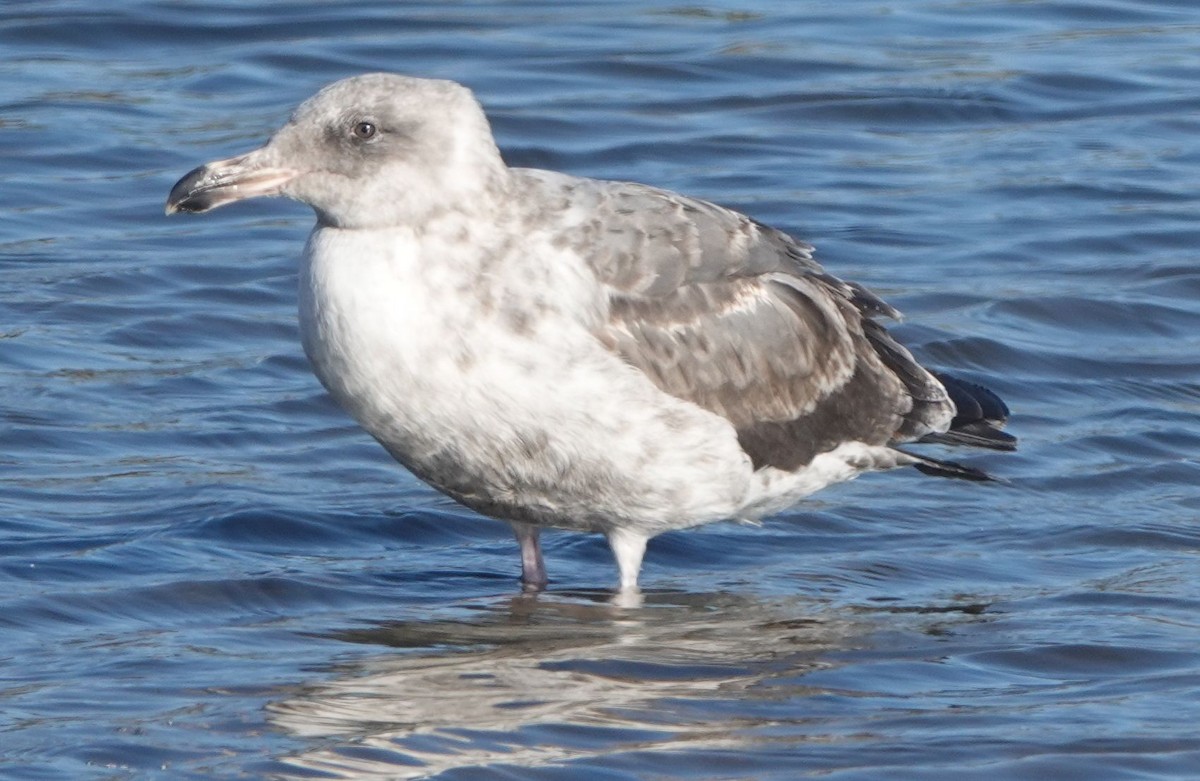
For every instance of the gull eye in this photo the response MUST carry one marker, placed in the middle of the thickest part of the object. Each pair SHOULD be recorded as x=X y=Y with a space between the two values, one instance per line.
x=364 y=130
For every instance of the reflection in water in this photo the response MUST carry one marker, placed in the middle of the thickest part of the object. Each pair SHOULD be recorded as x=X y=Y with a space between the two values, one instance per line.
x=541 y=680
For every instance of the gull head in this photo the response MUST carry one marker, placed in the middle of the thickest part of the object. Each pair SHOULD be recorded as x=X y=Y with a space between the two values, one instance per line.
x=372 y=151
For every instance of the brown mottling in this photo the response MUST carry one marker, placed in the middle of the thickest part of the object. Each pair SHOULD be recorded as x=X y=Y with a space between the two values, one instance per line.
x=674 y=420
x=650 y=452
x=518 y=320
x=485 y=302
x=532 y=444
x=464 y=360
x=533 y=277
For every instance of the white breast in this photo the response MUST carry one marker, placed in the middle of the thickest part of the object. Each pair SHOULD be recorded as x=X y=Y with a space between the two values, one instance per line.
x=483 y=377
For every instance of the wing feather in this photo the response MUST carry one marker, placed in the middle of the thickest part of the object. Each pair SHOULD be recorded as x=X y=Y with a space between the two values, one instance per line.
x=739 y=319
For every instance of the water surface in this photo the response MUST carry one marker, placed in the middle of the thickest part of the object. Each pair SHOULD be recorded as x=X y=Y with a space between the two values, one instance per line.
x=209 y=572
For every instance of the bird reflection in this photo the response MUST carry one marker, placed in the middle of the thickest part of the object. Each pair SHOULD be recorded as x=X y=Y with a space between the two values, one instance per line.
x=548 y=679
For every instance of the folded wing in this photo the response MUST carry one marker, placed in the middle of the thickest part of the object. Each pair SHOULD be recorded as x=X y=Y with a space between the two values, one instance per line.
x=739 y=319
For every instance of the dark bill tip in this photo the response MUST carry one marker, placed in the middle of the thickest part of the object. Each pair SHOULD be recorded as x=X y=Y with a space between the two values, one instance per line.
x=188 y=194
x=226 y=181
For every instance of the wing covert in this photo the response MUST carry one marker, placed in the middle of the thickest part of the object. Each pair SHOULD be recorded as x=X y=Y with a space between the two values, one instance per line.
x=739 y=319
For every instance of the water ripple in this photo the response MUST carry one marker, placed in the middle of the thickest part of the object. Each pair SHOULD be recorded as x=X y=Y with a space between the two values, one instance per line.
x=211 y=572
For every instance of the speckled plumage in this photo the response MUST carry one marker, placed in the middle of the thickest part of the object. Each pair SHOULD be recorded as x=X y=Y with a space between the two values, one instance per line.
x=557 y=351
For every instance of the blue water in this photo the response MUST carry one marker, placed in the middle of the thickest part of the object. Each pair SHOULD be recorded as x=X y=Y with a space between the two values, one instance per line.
x=208 y=572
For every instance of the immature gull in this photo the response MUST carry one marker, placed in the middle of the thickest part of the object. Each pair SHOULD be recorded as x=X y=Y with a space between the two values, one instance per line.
x=590 y=355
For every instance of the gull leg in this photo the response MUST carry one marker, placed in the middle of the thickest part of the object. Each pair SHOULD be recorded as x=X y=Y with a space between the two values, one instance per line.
x=628 y=547
x=533 y=568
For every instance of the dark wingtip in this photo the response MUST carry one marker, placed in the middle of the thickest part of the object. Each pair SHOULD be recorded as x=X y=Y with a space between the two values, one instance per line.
x=939 y=468
x=977 y=434
x=973 y=401
x=979 y=413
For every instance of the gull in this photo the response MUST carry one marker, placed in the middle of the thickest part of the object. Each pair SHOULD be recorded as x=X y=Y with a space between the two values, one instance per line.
x=556 y=351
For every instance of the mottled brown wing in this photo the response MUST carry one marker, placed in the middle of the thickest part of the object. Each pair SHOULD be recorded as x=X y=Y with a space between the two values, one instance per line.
x=739 y=319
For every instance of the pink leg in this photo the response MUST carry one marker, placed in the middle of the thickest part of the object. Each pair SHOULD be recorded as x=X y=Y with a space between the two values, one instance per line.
x=533 y=569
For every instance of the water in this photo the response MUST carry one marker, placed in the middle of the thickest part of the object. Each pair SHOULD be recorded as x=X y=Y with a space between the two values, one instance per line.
x=209 y=572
